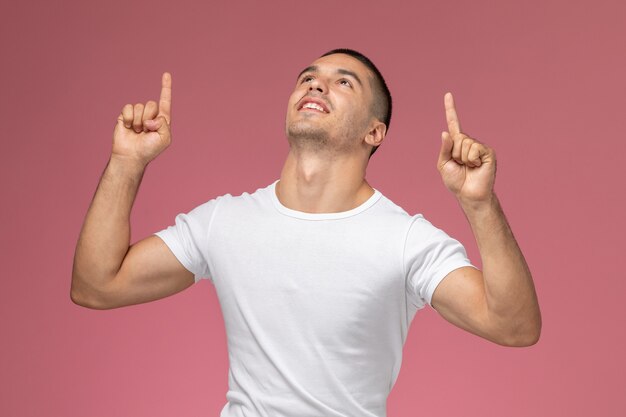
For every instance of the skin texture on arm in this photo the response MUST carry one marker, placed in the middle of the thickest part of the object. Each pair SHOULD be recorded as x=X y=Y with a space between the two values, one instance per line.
x=499 y=303
x=107 y=272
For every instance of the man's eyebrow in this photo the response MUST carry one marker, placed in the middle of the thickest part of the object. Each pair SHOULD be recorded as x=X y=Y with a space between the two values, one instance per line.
x=314 y=68
x=350 y=73
x=311 y=68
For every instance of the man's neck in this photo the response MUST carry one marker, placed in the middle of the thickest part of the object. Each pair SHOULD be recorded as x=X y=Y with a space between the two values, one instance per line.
x=317 y=183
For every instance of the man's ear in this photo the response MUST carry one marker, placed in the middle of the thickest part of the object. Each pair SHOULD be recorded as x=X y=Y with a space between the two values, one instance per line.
x=376 y=134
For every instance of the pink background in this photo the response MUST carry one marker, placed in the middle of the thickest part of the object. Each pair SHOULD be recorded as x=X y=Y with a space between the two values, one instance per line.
x=541 y=82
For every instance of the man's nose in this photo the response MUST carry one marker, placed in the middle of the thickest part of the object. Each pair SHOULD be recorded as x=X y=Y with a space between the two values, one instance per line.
x=317 y=84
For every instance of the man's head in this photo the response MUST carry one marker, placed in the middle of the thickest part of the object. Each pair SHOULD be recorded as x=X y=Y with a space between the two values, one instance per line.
x=381 y=105
x=353 y=99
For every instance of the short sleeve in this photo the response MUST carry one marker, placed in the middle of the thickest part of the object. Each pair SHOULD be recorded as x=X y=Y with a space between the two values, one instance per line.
x=429 y=255
x=188 y=238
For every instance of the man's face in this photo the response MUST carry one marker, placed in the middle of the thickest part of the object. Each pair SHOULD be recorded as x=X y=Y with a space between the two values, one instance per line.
x=330 y=106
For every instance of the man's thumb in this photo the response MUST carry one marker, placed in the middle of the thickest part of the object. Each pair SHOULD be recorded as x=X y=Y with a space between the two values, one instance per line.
x=159 y=124
x=445 y=154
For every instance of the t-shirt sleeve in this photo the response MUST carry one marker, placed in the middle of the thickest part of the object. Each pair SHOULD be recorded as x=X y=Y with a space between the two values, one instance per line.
x=189 y=236
x=429 y=255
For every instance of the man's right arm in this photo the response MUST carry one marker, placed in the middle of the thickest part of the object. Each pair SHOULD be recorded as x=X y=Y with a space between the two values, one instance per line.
x=108 y=272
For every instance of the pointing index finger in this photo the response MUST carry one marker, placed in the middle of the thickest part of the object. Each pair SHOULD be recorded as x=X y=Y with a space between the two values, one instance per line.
x=454 y=126
x=165 y=101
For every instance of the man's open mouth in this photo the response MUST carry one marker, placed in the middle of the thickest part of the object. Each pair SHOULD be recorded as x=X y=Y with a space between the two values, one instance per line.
x=313 y=105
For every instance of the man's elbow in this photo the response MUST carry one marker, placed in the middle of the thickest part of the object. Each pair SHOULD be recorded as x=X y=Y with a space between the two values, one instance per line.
x=523 y=340
x=522 y=337
x=83 y=301
x=81 y=297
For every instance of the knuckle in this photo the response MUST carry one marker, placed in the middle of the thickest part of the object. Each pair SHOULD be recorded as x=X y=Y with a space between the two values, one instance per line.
x=127 y=111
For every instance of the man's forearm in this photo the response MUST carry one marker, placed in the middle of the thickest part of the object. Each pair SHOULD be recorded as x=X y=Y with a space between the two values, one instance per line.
x=509 y=288
x=105 y=236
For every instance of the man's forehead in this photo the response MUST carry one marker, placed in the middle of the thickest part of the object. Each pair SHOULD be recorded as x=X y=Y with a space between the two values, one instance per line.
x=342 y=64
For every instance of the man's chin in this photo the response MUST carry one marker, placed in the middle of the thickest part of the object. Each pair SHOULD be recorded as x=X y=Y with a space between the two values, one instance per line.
x=307 y=134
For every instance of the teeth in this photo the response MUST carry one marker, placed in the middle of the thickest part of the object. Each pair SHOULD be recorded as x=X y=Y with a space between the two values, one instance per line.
x=313 y=106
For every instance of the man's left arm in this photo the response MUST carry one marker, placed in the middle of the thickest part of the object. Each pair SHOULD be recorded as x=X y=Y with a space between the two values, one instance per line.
x=499 y=303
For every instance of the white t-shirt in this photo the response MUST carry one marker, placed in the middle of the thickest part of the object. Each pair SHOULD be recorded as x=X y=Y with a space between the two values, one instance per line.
x=316 y=305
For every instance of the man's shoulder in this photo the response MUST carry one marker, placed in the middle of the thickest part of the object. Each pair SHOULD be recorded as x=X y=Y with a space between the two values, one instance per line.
x=392 y=214
x=242 y=200
x=390 y=208
x=389 y=214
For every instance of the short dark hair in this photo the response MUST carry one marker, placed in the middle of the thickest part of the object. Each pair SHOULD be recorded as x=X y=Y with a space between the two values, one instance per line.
x=382 y=97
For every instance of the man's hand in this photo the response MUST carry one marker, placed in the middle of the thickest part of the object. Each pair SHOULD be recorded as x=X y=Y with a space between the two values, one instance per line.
x=143 y=131
x=467 y=167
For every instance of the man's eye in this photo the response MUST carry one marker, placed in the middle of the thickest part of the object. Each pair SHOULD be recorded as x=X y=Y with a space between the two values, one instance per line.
x=307 y=79
x=345 y=82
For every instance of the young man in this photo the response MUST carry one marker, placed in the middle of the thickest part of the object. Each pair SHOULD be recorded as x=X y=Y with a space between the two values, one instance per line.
x=318 y=274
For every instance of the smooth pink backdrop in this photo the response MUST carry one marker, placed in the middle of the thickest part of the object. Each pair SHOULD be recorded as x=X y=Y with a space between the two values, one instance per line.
x=542 y=82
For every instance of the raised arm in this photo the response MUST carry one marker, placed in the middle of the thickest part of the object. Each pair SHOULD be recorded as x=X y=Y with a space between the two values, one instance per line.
x=107 y=271
x=499 y=303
